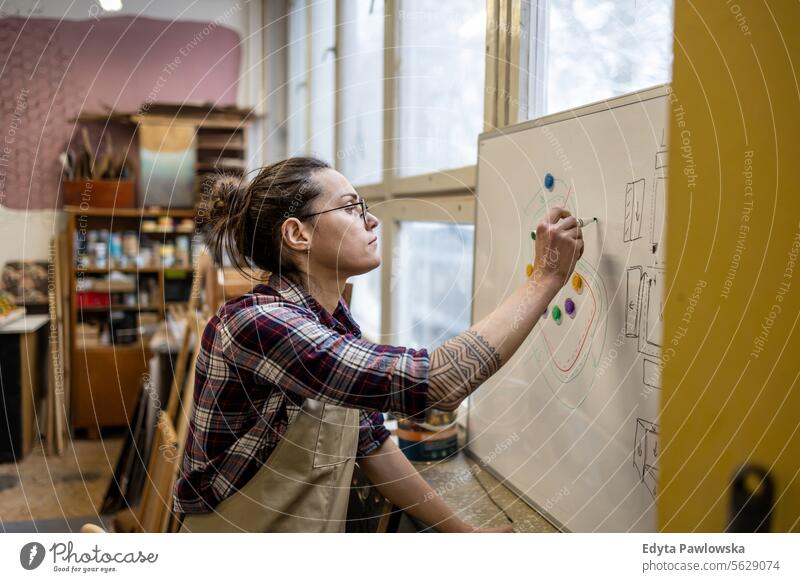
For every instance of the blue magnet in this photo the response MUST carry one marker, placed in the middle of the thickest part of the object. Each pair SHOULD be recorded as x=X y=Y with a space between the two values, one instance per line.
x=549 y=181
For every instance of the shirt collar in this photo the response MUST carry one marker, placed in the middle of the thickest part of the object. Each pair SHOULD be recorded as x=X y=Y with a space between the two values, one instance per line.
x=294 y=293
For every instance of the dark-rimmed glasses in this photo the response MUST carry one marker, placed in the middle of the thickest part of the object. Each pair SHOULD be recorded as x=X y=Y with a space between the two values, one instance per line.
x=361 y=203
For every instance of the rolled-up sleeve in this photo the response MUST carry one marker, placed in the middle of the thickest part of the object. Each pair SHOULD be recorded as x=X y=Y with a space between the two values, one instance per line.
x=371 y=432
x=286 y=345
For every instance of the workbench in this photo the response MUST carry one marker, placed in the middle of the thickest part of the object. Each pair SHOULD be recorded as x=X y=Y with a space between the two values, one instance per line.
x=479 y=498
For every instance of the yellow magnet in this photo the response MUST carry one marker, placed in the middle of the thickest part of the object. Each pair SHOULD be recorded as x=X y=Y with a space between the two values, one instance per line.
x=529 y=270
x=577 y=282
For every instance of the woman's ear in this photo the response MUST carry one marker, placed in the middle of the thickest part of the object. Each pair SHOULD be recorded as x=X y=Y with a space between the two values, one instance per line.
x=295 y=235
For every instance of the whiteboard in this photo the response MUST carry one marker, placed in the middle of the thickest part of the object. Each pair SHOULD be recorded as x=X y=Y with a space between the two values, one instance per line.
x=571 y=421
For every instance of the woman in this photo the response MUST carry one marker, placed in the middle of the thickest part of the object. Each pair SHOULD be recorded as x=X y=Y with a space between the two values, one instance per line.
x=287 y=394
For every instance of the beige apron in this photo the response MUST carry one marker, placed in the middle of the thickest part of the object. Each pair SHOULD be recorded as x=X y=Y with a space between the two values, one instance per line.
x=305 y=484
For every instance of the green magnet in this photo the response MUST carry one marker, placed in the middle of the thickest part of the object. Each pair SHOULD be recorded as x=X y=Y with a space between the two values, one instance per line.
x=556 y=312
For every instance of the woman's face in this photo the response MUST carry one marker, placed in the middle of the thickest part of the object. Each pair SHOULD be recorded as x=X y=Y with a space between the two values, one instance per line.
x=341 y=241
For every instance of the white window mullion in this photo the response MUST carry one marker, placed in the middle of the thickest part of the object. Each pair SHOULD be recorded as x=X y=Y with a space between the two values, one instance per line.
x=309 y=87
x=538 y=48
x=389 y=93
x=493 y=63
x=297 y=109
x=389 y=103
x=337 y=84
x=275 y=65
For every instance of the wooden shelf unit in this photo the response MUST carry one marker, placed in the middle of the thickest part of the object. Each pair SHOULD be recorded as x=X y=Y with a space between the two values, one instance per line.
x=106 y=379
x=218 y=144
x=220 y=150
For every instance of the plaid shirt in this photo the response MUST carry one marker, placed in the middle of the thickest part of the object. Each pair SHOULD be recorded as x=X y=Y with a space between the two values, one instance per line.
x=260 y=357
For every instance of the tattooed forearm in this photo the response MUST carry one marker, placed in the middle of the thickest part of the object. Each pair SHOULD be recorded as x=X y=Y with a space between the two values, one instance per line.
x=458 y=367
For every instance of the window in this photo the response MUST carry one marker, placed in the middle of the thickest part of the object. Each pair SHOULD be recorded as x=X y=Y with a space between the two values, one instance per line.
x=360 y=150
x=582 y=51
x=323 y=60
x=347 y=89
x=297 y=86
x=365 y=304
x=431 y=291
x=440 y=84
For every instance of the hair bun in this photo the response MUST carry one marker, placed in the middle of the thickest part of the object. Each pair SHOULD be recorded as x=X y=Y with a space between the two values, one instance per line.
x=233 y=238
x=219 y=199
x=223 y=197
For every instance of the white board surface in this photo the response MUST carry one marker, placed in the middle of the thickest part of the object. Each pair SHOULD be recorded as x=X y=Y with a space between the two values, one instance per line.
x=571 y=421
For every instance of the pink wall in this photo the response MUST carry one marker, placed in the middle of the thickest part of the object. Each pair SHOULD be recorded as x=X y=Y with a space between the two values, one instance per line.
x=54 y=69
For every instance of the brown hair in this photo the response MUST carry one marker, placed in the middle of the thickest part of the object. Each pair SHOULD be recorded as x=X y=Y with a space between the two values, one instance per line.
x=243 y=221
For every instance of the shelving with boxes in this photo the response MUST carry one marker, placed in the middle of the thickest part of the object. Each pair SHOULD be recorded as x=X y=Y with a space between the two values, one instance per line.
x=127 y=266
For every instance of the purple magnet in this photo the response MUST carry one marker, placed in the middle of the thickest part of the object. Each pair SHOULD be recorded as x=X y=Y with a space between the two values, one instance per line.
x=569 y=306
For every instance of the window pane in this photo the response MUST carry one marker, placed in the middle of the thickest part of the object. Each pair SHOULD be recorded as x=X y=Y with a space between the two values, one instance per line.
x=431 y=291
x=598 y=50
x=360 y=153
x=323 y=58
x=297 y=85
x=365 y=304
x=441 y=84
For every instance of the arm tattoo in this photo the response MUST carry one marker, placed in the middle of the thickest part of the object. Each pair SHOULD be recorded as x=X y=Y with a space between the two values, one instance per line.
x=458 y=367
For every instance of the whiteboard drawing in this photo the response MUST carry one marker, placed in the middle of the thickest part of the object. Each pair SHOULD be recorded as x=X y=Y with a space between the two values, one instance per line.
x=651 y=373
x=653 y=205
x=644 y=309
x=585 y=384
x=572 y=332
x=633 y=289
x=658 y=203
x=651 y=317
x=634 y=203
x=645 y=453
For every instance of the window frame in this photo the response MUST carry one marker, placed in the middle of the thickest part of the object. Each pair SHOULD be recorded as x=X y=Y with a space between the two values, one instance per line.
x=452 y=209
x=437 y=196
x=451 y=181
x=527 y=35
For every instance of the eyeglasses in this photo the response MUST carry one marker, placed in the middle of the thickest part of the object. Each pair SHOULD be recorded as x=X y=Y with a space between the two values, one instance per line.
x=361 y=203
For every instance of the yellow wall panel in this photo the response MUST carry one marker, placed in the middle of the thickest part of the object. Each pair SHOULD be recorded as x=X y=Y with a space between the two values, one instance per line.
x=732 y=319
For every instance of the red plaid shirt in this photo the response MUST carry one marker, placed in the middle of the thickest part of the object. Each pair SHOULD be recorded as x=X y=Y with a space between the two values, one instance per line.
x=261 y=356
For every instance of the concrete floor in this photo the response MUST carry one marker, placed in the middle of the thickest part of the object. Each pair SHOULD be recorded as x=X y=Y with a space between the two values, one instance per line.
x=55 y=489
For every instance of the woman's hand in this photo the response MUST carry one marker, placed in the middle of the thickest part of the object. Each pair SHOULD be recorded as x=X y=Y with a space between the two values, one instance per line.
x=465 y=361
x=559 y=245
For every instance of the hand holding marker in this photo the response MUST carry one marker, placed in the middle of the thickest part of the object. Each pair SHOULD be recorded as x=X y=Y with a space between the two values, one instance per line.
x=581 y=223
x=549 y=183
x=564 y=223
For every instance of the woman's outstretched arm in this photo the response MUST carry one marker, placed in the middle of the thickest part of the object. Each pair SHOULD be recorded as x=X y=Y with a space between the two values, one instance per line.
x=464 y=362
